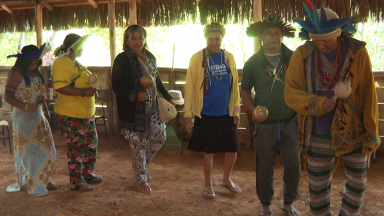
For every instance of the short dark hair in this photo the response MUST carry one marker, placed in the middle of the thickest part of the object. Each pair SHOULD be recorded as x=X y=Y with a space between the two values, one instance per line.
x=131 y=29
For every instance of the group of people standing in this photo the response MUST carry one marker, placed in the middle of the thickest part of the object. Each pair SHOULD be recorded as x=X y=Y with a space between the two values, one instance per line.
x=295 y=86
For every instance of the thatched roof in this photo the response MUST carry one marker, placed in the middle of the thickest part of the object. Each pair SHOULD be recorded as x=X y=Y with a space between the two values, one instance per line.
x=78 y=13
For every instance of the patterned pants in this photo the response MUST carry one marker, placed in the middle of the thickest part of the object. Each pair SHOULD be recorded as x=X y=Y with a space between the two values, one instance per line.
x=82 y=142
x=320 y=165
x=143 y=149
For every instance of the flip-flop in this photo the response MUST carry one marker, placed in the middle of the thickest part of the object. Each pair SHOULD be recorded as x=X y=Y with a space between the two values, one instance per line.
x=234 y=188
x=92 y=178
x=83 y=187
x=51 y=186
x=209 y=194
x=291 y=212
x=264 y=213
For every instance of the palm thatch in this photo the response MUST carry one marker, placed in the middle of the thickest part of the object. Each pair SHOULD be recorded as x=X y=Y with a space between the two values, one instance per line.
x=225 y=10
x=344 y=8
x=173 y=12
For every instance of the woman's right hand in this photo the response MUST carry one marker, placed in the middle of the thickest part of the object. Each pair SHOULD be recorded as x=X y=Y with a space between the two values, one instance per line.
x=142 y=95
x=32 y=107
x=89 y=92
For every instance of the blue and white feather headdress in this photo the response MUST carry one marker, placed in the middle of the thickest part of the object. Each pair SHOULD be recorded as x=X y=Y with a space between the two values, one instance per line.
x=324 y=23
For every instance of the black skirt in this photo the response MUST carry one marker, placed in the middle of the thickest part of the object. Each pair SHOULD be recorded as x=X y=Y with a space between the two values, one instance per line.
x=212 y=134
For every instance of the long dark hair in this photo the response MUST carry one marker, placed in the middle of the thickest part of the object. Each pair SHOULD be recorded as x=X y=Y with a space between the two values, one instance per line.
x=22 y=64
x=131 y=29
x=68 y=42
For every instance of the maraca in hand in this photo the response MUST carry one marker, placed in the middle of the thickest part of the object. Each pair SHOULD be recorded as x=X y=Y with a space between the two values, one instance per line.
x=146 y=80
x=260 y=114
x=342 y=90
x=92 y=79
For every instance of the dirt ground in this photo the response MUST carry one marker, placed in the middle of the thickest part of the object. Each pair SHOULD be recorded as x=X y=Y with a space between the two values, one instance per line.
x=177 y=183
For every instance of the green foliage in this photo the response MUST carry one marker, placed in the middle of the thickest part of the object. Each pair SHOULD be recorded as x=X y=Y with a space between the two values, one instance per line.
x=9 y=45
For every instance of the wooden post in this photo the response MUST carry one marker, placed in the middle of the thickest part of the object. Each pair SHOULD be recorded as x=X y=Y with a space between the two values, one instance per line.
x=47 y=6
x=39 y=24
x=93 y=3
x=132 y=12
x=5 y=7
x=112 y=105
x=257 y=16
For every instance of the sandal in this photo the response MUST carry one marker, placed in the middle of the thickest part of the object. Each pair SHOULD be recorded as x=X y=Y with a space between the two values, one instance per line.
x=232 y=186
x=291 y=212
x=92 y=178
x=145 y=188
x=210 y=194
x=51 y=186
x=266 y=213
x=83 y=187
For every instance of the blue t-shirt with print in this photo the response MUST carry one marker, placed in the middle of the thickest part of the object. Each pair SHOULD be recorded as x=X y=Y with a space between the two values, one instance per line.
x=216 y=99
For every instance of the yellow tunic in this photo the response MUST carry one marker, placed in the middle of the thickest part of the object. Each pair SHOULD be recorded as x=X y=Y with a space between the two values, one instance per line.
x=64 y=72
x=346 y=128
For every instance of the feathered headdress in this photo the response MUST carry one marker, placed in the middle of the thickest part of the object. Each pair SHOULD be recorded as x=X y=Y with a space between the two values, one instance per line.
x=323 y=23
x=34 y=55
x=271 y=22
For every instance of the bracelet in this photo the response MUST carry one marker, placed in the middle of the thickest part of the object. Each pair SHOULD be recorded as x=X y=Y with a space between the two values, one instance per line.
x=82 y=93
x=26 y=107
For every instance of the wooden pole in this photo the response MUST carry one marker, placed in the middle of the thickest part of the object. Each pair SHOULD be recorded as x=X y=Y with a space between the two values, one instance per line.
x=172 y=78
x=39 y=23
x=112 y=105
x=132 y=12
x=257 y=16
x=5 y=7
x=93 y=3
x=48 y=6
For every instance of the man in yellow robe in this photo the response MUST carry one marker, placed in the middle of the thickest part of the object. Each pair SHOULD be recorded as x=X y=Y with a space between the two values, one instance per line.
x=330 y=127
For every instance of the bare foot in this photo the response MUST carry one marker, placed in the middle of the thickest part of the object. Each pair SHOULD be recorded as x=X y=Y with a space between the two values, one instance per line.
x=145 y=188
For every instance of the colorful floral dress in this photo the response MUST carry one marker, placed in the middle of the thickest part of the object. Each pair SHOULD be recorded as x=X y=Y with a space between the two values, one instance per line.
x=34 y=148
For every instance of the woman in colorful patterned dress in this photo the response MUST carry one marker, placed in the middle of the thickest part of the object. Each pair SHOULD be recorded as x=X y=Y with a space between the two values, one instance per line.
x=34 y=149
x=137 y=106
x=75 y=105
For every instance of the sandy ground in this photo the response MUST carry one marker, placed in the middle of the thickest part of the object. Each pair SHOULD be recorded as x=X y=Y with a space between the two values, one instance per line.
x=177 y=183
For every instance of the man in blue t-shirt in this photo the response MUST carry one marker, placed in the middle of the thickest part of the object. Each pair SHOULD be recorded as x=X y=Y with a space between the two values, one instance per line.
x=265 y=72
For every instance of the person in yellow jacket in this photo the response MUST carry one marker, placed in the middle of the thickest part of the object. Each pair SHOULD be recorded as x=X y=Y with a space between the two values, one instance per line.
x=212 y=96
x=331 y=127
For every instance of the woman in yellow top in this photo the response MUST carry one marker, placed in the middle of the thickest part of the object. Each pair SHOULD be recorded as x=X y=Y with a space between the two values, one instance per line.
x=212 y=95
x=75 y=106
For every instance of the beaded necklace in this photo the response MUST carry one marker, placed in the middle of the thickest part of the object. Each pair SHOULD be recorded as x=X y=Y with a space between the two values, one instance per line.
x=327 y=82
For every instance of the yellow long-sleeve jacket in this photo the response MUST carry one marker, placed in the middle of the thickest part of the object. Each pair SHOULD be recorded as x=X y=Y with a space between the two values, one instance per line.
x=194 y=90
x=347 y=128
